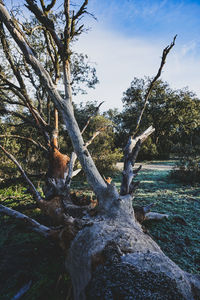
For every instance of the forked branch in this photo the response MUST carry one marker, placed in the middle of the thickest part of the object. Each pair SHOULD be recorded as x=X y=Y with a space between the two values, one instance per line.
x=130 y=154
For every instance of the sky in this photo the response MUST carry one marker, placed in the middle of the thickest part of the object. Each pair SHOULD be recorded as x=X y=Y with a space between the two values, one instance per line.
x=127 y=41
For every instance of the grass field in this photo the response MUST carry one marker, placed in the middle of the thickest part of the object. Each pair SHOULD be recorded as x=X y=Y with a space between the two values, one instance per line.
x=26 y=256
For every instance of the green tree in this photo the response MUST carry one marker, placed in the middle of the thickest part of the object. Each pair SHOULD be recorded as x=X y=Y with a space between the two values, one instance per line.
x=103 y=149
x=26 y=111
x=173 y=113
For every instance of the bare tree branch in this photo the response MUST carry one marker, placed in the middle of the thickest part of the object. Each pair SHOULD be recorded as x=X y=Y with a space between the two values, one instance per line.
x=34 y=191
x=91 y=117
x=21 y=91
x=16 y=114
x=26 y=139
x=49 y=25
x=7 y=100
x=22 y=291
x=130 y=154
x=35 y=226
x=63 y=106
x=146 y=98
x=82 y=10
x=95 y=134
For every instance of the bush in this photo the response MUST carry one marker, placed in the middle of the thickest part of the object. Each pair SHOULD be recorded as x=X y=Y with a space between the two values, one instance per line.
x=187 y=170
x=148 y=151
x=106 y=161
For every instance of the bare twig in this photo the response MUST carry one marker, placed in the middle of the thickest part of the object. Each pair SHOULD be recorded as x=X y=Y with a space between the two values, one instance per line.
x=91 y=117
x=146 y=98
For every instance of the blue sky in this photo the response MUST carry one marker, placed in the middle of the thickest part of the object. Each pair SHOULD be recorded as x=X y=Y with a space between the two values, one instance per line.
x=150 y=18
x=128 y=39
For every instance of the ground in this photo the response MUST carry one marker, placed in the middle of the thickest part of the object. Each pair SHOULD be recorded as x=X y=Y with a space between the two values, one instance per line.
x=27 y=257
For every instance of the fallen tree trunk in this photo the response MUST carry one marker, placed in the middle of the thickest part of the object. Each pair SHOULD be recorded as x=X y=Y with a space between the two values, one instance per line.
x=114 y=259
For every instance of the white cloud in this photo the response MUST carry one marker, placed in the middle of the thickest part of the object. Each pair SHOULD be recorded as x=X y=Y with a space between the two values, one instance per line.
x=119 y=59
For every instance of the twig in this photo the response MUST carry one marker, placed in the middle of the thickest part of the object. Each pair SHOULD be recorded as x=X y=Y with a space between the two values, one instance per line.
x=146 y=98
x=91 y=117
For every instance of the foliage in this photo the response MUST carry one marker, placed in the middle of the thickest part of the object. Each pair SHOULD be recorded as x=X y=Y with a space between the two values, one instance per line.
x=173 y=113
x=188 y=150
x=187 y=170
x=102 y=149
x=26 y=110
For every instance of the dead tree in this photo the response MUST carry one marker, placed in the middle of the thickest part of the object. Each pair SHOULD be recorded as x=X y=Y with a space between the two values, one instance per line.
x=107 y=253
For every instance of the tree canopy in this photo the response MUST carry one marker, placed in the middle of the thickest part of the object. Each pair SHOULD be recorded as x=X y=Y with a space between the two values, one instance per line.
x=173 y=113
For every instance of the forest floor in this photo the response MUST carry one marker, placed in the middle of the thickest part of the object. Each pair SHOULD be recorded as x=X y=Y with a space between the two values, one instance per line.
x=27 y=257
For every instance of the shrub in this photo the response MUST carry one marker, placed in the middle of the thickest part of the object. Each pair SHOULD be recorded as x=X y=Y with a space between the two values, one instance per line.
x=187 y=170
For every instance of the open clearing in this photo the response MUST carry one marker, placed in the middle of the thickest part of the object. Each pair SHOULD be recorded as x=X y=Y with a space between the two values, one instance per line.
x=149 y=166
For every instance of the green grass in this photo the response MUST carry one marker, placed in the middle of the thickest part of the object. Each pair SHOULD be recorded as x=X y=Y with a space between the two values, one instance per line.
x=26 y=256
x=180 y=242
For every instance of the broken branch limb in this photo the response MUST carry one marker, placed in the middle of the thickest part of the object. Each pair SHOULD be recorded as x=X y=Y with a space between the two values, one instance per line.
x=146 y=98
x=155 y=216
x=91 y=117
x=35 y=226
x=71 y=167
x=131 y=151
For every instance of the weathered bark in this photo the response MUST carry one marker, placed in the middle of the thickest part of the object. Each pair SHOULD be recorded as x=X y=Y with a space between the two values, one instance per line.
x=119 y=261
